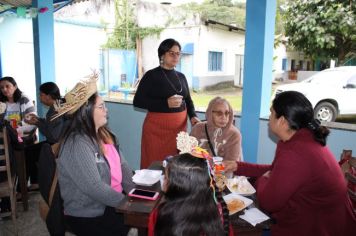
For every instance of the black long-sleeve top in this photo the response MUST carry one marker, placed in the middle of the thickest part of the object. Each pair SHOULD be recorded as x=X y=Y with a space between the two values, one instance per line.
x=154 y=90
x=52 y=130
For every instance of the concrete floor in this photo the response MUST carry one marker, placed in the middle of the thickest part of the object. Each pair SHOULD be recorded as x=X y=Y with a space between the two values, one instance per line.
x=30 y=223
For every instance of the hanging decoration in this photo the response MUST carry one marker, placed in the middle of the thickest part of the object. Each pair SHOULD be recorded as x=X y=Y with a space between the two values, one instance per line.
x=5 y=7
x=23 y=12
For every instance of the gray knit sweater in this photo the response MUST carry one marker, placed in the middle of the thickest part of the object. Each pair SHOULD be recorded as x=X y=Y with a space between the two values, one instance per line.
x=84 y=178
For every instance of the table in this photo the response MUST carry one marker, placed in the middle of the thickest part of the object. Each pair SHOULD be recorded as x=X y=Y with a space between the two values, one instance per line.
x=125 y=91
x=136 y=212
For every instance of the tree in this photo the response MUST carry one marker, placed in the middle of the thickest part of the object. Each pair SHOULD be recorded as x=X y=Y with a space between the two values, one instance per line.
x=223 y=11
x=322 y=29
x=126 y=31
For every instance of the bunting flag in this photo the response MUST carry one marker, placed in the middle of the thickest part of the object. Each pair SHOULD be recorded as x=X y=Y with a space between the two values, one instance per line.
x=5 y=7
x=23 y=12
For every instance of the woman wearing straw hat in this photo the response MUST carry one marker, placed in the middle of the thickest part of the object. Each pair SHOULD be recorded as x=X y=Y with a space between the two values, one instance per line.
x=92 y=173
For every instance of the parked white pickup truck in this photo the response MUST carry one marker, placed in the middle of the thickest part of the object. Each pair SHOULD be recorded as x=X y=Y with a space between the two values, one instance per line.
x=332 y=92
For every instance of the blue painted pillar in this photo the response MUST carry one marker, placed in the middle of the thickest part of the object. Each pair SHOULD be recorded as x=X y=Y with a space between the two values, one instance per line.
x=0 y=63
x=43 y=40
x=260 y=19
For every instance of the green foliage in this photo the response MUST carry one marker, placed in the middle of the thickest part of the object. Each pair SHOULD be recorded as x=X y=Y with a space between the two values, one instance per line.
x=223 y=11
x=279 y=29
x=321 y=28
x=126 y=31
x=125 y=85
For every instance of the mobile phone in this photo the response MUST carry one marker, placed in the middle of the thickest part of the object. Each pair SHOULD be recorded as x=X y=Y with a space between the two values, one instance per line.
x=145 y=194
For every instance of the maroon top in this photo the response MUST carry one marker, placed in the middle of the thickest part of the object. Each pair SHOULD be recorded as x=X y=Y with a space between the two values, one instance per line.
x=306 y=191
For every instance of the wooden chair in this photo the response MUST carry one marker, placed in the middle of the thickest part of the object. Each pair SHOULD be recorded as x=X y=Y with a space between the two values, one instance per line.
x=7 y=185
x=348 y=166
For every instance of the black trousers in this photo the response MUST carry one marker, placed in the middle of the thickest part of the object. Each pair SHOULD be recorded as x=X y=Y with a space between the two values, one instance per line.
x=32 y=154
x=109 y=224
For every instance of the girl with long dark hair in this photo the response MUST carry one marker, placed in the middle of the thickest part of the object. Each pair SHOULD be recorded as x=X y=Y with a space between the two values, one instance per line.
x=189 y=206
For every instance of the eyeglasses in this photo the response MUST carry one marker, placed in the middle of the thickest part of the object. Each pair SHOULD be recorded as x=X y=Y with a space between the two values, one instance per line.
x=101 y=106
x=173 y=53
x=221 y=113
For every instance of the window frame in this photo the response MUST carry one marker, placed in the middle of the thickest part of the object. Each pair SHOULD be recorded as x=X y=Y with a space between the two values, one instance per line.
x=215 y=61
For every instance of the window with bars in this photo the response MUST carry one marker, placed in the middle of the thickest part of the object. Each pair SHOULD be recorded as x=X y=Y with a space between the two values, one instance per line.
x=215 y=61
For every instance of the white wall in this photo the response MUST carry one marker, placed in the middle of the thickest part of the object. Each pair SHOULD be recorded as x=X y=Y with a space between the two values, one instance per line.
x=17 y=53
x=191 y=30
x=212 y=38
x=279 y=53
x=76 y=52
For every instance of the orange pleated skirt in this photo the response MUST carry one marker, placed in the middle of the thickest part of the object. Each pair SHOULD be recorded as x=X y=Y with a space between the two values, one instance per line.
x=159 y=134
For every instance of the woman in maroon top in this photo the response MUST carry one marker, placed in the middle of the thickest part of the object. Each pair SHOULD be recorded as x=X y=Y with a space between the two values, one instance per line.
x=304 y=189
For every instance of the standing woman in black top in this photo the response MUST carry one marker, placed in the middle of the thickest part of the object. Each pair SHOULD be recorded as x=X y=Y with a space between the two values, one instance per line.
x=164 y=92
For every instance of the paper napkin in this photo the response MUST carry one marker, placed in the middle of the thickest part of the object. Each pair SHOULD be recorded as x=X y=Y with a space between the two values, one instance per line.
x=254 y=216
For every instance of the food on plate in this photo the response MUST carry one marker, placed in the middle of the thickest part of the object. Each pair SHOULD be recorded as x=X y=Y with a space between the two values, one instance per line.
x=235 y=205
x=239 y=184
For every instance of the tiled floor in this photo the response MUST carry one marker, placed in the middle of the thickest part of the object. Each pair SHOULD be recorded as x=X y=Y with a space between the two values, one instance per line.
x=30 y=223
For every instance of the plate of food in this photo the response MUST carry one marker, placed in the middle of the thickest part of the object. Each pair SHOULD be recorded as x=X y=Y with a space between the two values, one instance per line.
x=236 y=203
x=240 y=185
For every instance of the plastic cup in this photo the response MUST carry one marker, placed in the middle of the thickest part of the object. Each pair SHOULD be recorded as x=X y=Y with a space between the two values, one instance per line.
x=217 y=160
x=229 y=174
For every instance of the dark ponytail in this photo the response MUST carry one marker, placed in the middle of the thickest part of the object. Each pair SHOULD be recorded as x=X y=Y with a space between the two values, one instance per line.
x=299 y=113
x=320 y=132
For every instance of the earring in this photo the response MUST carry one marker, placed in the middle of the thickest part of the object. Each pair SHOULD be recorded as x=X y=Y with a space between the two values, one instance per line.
x=161 y=61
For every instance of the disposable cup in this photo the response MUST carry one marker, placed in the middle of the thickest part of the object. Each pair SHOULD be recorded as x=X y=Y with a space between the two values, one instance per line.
x=217 y=160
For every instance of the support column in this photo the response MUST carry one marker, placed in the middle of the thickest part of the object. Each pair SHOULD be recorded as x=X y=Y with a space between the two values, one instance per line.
x=260 y=21
x=0 y=63
x=43 y=40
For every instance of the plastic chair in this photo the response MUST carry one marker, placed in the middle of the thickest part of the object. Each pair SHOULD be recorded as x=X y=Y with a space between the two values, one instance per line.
x=8 y=176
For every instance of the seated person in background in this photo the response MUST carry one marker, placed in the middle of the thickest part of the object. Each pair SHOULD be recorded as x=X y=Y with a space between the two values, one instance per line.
x=189 y=206
x=304 y=189
x=18 y=107
x=218 y=134
x=93 y=176
x=52 y=130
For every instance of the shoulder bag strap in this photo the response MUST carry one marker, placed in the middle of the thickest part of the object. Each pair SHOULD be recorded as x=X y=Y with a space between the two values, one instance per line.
x=210 y=145
x=53 y=188
x=55 y=149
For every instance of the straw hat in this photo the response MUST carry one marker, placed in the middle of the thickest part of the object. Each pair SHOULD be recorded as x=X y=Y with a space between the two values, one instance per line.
x=75 y=98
